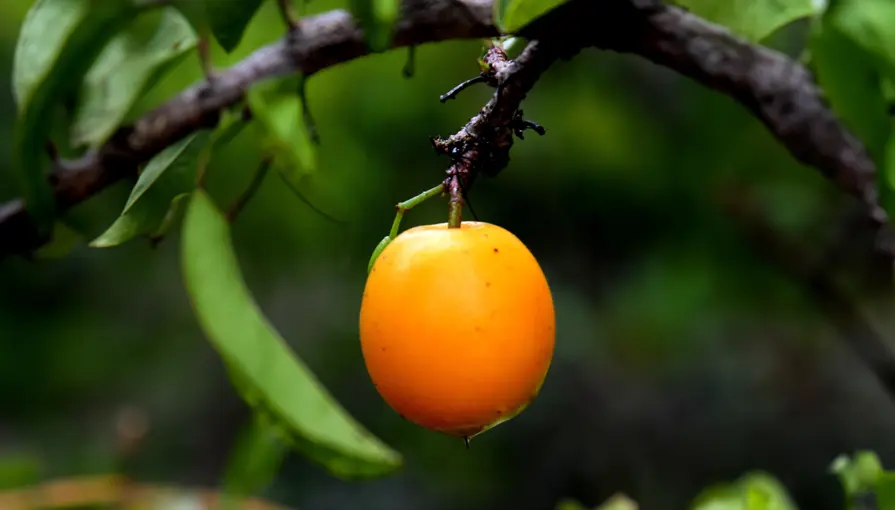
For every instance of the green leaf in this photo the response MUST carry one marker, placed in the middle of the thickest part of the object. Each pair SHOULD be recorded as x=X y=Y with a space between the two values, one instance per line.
x=267 y=372
x=58 y=42
x=19 y=470
x=569 y=504
x=751 y=19
x=618 y=502
x=180 y=157
x=377 y=18
x=195 y=13
x=512 y=15
x=128 y=68
x=851 y=82
x=278 y=109
x=154 y=201
x=869 y=24
x=885 y=490
x=852 y=76
x=754 y=491
x=228 y=20
x=255 y=458
x=63 y=240
x=857 y=475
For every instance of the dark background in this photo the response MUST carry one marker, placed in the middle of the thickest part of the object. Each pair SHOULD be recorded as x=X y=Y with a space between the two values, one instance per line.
x=683 y=357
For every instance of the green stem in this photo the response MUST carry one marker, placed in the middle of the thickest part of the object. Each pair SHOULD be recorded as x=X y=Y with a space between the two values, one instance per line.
x=402 y=207
x=410 y=204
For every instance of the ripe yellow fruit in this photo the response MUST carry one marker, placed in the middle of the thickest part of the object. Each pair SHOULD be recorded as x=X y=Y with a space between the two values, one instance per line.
x=457 y=326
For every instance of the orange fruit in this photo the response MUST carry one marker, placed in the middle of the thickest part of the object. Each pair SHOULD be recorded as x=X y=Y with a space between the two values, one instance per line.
x=457 y=326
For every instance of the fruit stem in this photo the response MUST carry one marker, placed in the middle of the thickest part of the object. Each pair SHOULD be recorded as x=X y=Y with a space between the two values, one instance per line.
x=402 y=207
x=409 y=204
x=455 y=206
x=455 y=214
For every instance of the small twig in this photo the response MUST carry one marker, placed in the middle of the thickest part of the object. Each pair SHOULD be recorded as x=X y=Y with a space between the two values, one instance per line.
x=451 y=94
x=466 y=199
x=287 y=11
x=306 y=115
x=308 y=203
x=203 y=48
x=520 y=124
x=403 y=207
x=249 y=192
x=400 y=209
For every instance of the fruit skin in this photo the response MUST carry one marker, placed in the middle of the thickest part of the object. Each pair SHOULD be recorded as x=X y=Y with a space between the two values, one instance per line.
x=457 y=326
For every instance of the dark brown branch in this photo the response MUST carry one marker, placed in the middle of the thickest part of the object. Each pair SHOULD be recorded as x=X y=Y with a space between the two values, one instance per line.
x=777 y=90
x=854 y=328
x=321 y=41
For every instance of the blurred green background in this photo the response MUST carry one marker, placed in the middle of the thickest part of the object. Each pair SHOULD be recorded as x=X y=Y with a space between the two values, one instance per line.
x=683 y=357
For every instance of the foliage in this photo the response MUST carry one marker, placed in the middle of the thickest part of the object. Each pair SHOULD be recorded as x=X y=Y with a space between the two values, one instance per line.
x=90 y=63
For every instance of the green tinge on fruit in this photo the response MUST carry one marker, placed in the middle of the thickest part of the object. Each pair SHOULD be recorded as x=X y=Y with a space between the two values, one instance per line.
x=507 y=417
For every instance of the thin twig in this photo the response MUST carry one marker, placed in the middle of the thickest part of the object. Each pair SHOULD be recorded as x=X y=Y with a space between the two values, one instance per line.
x=307 y=118
x=451 y=94
x=297 y=192
x=249 y=192
x=287 y=11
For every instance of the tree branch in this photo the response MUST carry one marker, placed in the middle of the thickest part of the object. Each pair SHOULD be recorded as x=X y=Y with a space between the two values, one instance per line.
x=320 y=41
x=482 y=146
x=778 y=91
x=855 y=329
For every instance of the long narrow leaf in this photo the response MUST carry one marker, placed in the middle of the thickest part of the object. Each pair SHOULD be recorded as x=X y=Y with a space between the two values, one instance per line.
x=268 y=373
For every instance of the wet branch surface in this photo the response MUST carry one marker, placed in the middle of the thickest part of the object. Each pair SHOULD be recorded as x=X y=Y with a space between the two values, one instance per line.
x=778 y=91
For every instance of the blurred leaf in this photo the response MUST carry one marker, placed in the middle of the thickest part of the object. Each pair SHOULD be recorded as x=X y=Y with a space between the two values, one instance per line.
x=851 y=76
x=58 y=42
x=277 y=107
x=569 y=504
x=618 y=502
x=869 y=24
x=270 y=375
x=751 y=19
x=228 y=20
x=885 y=490
x=63 y=240
x=254 y=460
x=195 y=13
x=377 y=18
x=754 y=491
x=511 y=15
x=154 y=200
x=18 y=470
x=126 y=69
x=857 y=475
